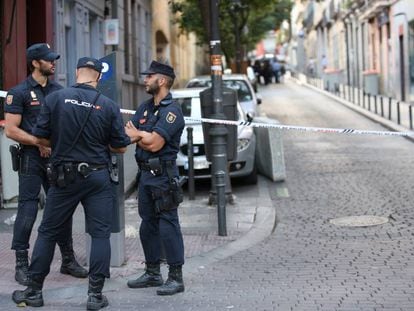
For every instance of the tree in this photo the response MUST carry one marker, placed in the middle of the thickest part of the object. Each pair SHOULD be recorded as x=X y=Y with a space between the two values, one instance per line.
x=250 y=19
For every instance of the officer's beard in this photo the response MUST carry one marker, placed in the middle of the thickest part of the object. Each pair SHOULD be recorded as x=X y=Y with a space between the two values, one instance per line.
x=153 y=88
x=46 y=72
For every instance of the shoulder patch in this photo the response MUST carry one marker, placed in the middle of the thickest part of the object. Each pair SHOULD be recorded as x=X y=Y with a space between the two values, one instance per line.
x=9 y=99
x=171 y=117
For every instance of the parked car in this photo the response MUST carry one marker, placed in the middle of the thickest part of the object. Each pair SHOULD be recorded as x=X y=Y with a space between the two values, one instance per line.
x=248 y=98
x=243 y=166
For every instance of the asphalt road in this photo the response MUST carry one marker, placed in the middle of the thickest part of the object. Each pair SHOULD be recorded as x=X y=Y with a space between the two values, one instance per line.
x=309 y=263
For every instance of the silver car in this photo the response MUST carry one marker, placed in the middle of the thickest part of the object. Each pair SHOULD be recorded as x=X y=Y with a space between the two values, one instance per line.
x=239 y=82
x=243 y=166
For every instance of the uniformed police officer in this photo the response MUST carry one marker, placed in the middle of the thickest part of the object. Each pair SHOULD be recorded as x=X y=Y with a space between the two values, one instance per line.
x=23 y=103
x=82 y=126
x=156 y=128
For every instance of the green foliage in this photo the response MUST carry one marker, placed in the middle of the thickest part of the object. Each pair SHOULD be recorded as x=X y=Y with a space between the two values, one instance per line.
x=251 y=18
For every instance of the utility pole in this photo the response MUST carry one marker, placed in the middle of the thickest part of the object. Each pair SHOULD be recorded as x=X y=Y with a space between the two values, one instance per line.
x=218 y=132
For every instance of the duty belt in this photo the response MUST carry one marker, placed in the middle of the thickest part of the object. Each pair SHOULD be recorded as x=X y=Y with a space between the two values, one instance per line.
x=94 y=167
x=85 y=168
x=155 y=165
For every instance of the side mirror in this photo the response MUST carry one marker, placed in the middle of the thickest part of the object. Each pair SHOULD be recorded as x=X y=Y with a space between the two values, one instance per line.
x=249 y=116
x=259 y=98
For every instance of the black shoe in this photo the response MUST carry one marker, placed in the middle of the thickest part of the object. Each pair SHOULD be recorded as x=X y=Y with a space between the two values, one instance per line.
x=22 y=267
x=21 y=276
x=96 y=301
x=74 y=269
x=170 y=287
x=31 y=297
x=146 y=280
x=69 y=264
x=151 y=278
x=174 y=283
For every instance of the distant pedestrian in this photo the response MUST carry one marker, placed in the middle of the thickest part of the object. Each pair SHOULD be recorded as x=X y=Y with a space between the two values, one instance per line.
x=311 y=68
x=282 y=72
x=276 y=69
x=324 y=62
x=251 y=75
x=156 y=128
x=82 y=126
x=23 y=104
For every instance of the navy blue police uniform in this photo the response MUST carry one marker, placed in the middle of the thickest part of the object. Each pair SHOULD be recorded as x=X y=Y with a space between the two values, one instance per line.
x=156 y=226
x=27 y=99
x=84 y=165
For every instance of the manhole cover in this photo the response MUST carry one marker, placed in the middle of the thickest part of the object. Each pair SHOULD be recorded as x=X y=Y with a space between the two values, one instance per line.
x=359 y=221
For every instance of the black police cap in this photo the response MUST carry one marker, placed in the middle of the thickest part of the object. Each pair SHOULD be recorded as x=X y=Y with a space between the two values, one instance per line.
x=41 y=51
x=90 y=62
x=156 y=67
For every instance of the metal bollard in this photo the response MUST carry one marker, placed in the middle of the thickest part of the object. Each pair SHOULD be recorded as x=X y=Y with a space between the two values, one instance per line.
x=363 y=99
x=375 y=104
x=190 y=154
x=411 y=116
x=389 y=108
x=221 y=203
x=369 y=102
x=382 y=106
x=398 y=113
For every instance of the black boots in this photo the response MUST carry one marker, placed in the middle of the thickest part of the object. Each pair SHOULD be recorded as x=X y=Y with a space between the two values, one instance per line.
x=96 y=300
x=31 y=296
x=22 y=267
x=151 y=278
x=174 y=283
x=69 y=264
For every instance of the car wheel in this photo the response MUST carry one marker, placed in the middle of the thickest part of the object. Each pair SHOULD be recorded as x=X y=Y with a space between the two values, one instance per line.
x=251 y=179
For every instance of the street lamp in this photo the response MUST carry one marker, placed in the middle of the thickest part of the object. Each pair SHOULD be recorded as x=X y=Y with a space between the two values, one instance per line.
x=218 y=132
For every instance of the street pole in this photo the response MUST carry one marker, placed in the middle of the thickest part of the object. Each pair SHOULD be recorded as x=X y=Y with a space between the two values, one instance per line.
x=218 y=132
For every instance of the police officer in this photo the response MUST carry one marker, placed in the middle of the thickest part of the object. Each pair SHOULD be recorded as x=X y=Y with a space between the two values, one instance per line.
x=82 y=126
x=23 y=103
x=156 y=128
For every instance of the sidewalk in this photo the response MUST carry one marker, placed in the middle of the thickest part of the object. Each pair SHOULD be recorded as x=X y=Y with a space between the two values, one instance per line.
x=249 y=220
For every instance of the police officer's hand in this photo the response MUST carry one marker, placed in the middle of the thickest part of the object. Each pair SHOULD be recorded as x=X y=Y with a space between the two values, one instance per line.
x=132 y=132
x=45 y=151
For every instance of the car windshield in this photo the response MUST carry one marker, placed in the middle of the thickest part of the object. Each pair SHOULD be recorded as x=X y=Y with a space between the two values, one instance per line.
x=240 y=86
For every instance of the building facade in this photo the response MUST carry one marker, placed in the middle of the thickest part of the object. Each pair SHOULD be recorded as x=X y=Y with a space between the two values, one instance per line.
x=368 y=44
x=138 y=30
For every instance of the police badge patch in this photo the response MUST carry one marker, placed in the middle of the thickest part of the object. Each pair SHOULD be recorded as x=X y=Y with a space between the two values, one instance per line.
x=9 y=99
x=171 y=117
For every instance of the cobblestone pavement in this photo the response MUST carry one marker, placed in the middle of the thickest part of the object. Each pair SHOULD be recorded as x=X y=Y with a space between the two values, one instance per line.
x=307 y=263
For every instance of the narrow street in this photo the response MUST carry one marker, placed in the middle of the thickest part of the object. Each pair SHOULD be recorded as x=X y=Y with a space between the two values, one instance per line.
x=309 y=263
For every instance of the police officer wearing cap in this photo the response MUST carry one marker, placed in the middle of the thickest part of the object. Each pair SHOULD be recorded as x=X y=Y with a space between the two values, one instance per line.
x=82 y=126
x=156 y=128
x=23 y=104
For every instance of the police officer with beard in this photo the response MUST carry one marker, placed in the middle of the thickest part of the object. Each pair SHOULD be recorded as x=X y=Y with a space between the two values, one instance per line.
x=156 y=128
x=82 y=126
x=23 y=104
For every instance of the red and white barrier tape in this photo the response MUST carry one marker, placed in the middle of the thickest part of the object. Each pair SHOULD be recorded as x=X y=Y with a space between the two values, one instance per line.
x=293 y=127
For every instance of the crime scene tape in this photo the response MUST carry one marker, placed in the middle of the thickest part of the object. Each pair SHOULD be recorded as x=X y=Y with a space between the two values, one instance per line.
x=293 y=127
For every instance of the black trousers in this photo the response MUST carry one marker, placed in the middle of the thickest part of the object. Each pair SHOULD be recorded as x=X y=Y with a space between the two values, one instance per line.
x=96 y=195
